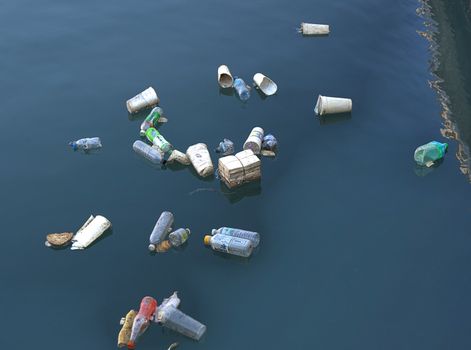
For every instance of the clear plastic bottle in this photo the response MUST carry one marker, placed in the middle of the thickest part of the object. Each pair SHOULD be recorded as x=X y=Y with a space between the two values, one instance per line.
x=161 y=229
x=176 y=320
x=178 y=237
x=429 y=153
x=254 y=237
x=230 y=245
x=158 y=140
x=241 y=89
x=147 y=152
x=151 y=120
x=86 y=144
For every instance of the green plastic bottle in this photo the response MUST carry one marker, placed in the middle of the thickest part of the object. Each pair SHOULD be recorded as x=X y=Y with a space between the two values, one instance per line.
x=151 y=120
x=429 y=153
x=158 y=140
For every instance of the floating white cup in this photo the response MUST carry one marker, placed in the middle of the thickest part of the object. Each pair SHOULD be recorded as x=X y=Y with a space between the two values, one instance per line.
x=314 y=29
x=225 y=79
x=265 y=84
x=147 y=98
x=332 y=105
x=201 y=159
x=254 y=141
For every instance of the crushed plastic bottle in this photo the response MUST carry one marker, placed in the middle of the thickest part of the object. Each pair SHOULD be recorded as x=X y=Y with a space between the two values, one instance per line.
x=158 y=140
x=86 y=144
x=254 y=237
x=269 y=143
x=161 y=229
x=241 y=88
x=178 y=237
x=429 y=153
x=225 y=147
x=230 y=245
x=151 y=120
x=148 y=152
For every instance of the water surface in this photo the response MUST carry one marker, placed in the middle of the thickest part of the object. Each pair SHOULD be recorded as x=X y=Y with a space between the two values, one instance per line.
x=357 y=250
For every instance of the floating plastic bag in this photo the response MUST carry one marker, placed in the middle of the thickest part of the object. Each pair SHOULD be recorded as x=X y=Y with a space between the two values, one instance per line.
x=225 y=147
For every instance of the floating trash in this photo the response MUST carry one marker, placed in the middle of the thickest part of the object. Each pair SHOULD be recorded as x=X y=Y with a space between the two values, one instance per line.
x=178 y=237
x=179 y=157
x=332 y=105
x=230 y=245
x=93 y=228
x=265 y=84
x=428 y=154
x=151 y=154
x=254 y=237
x=314 y=29
x=58 y=239
x=201 y=159
x=162 y=228
x=146 y=99
x=86 y=144
x=241 y=88
x=225 y=79
x=125 y=332
x=254 y=141
x=225 y=147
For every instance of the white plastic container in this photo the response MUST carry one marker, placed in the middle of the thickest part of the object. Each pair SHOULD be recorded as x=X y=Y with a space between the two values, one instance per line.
x=176 y=320
x=254 y=141
x=314 y=29
x=201 y=159
x=332 y=105
x=265 y=84
x=225 y=79
x=93 y=228
x=147 y=98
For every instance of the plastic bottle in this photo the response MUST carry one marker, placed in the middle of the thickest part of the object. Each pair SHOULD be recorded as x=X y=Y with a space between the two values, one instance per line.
x=147 y=152
x=178 y=237
x=86 y=144
x=429 y=153
x=225 y=147
x=161 y=229
x=254 y=237
x=142 y=320
x=178 y=321
x=151 y=120
x=158 y=140
x=231 y=245
x=241 y=89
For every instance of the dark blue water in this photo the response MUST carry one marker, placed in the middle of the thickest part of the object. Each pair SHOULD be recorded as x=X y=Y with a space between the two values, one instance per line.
x=357 y=250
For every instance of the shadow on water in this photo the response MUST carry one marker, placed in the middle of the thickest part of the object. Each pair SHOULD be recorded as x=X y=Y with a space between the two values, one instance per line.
x=334 y=118
x=449 y=33
x=105 y=235
x=233 y=258
x=235 y=195
x=422 y=171
x=226 y=92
